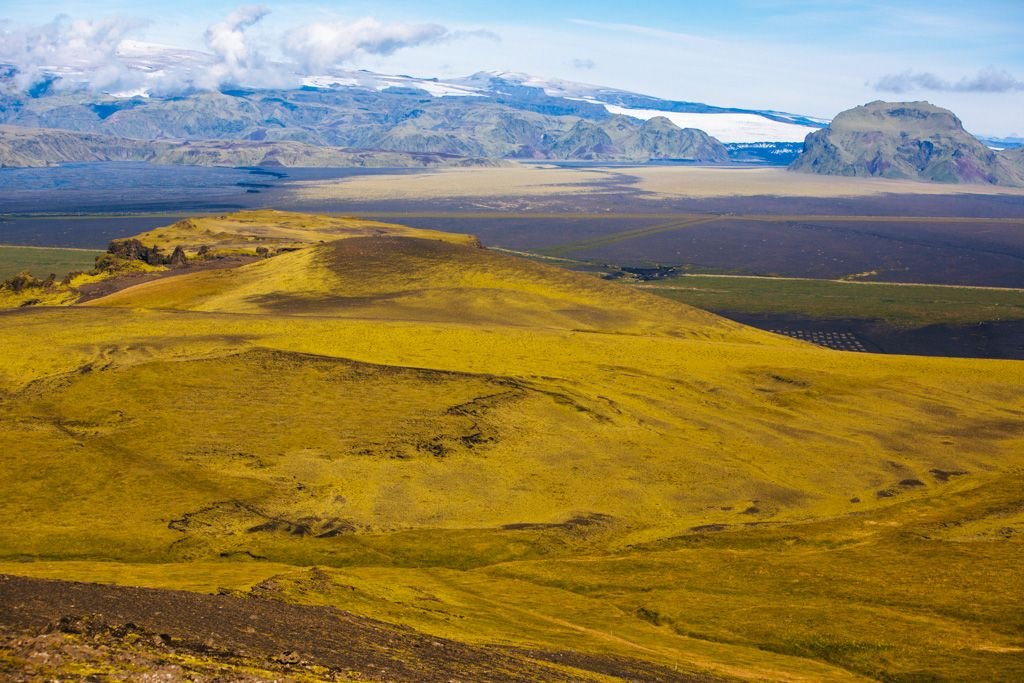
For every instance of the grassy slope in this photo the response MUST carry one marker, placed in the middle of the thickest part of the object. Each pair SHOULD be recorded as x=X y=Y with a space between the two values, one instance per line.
x=488 y=471
x=246 y=230
x=41 y=261
x=905 y=305
x=425 y=279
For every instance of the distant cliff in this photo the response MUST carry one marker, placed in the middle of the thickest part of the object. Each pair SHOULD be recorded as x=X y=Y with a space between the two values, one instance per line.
x=915 y=140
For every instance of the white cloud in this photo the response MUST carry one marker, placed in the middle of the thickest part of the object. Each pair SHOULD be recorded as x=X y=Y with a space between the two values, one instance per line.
x=70 y=46
x=85 y=53
x=320 y=46
x=238 y=62
x=985 y=81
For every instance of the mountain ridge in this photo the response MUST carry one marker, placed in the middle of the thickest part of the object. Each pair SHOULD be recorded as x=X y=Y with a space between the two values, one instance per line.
x=403 y=121
x=22 y=147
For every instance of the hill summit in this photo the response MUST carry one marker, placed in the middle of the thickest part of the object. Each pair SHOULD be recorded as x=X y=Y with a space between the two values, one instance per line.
x=915 y=140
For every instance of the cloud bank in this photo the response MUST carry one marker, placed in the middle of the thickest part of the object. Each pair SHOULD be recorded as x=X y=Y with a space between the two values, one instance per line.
x=320 y=46
x=85 y=54
x=66 y=46
x=986 y=81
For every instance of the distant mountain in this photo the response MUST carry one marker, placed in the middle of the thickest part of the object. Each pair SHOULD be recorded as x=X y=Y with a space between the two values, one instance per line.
x=727 y=124
x=21 y=147
x=488 y=114
x=1003 y=143
x=914 y=140
x=26 y=147
x=165 y=66
x=393 y=120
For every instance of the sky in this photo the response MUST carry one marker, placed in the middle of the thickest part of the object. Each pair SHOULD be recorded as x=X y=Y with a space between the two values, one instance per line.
x=813 y=58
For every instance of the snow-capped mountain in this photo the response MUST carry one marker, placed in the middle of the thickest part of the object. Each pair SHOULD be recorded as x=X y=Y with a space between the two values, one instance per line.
x=161 y=70
x=725 y=124
x=729 y=125
x=156 y=92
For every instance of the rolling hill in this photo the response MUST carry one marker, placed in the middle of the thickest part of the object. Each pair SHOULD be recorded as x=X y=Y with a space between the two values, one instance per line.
x=497 y=453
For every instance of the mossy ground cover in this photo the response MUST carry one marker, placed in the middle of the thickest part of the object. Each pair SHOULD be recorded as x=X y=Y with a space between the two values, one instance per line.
x=41 y=261
x=464 y=443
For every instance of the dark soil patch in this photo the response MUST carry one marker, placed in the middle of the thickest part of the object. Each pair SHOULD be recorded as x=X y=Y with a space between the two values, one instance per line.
x=268 y=635
x=944 y=475
x=573 y=524
x=96 y=290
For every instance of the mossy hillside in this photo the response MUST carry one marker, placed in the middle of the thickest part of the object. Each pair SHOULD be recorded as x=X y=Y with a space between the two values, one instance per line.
x=420 y=279
x=245 y=231
x=208 y=240
x=656 y=432
x=521 y=481
x=876 y=595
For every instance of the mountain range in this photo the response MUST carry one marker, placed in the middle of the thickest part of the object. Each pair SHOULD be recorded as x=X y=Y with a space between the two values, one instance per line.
x=488 y=114
x=28 y=147
x=365 y=119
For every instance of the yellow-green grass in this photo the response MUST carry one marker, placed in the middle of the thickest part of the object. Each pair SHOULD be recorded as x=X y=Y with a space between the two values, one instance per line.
x=662 y=432
x=425 y=279
x=498 y=451
x=42 y=261
x=897 y=304
x=883 y=595
x=67 y=293
x=244 y=231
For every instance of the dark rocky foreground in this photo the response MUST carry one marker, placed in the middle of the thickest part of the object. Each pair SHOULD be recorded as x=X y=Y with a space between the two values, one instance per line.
x=59 y=630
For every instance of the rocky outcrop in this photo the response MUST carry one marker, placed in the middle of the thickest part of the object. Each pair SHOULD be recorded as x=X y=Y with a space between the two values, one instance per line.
x=914 y=140
x=134 y=250
x=178 y=257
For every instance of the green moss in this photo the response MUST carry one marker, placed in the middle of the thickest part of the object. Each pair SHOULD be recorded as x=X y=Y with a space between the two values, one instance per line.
x=41 y=261
x=904 y=305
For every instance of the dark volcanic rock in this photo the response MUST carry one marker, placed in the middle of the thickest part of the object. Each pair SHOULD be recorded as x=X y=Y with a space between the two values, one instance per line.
x=914 y=140
x=129 y=250
x=178 y=257
x=134 y=250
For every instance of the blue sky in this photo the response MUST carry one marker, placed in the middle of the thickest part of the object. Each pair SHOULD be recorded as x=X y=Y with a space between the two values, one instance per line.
x=813 y=58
